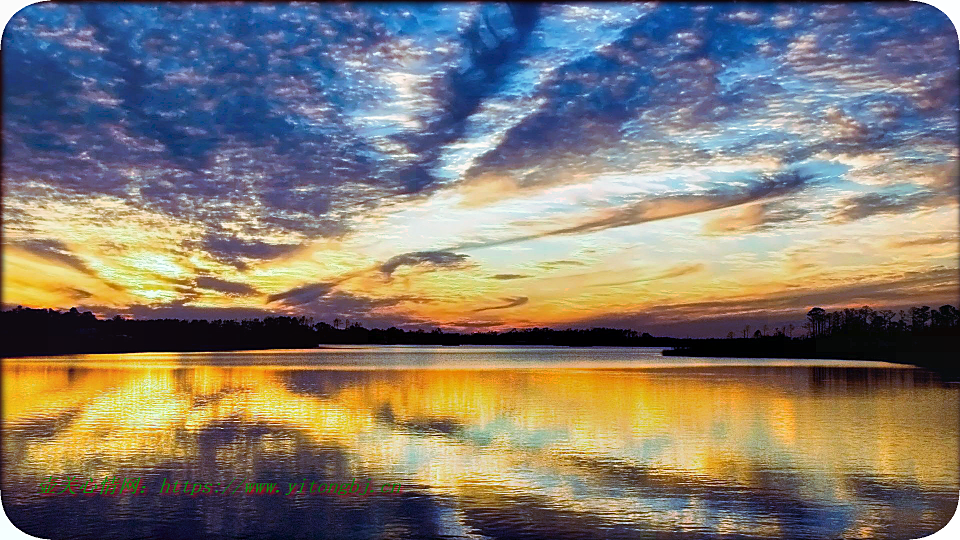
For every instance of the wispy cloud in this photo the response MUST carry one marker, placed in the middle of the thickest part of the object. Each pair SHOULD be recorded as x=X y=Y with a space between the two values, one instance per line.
x=755 y=217
x=508 y=303
x=224 y=286
x=560 y=263
x=880 y=203
x=56 y=251
x=925 y=241
x=674 y=272
x=303 y=294
x=234 y=250
x=442 y=259
x=647 y=209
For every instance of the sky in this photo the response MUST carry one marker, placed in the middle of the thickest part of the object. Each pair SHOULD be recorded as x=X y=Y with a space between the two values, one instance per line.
x=677 y=169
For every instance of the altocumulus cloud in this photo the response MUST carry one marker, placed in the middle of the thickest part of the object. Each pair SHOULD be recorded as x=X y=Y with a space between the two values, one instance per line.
x=189 y=106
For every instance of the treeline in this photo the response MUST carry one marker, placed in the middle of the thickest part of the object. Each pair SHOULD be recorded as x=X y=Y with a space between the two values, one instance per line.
x=921 y=336
x=866 y=321
x=28 y=331
x=613 y=337
x=47 y=331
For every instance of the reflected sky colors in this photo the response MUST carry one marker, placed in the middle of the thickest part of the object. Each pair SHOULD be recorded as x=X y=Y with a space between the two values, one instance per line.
x=750 y=449
x=677 y=168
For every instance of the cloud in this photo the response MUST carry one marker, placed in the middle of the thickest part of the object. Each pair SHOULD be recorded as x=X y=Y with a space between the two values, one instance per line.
x=233 y=250
x=302 y=295
x=224 y=286
x=77 y=294
x=178 y=310
x=342 y=108
x=553 y=265
x=340 y=303
x=326 y=307
x=507 y=277
x=925 y=241
x=657 y=208
x=879 y=203
x=107 y=104
x=662 y=69
x=494 y=42
x=654 y=208
x=55 y=250
x=674 y=272
x=725 y=87
x=755 y=217
x=445 y=259
x=475 y=324
x=510 y=302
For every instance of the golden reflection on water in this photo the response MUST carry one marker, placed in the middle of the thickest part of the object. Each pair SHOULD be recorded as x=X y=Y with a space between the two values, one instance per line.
x=664 y=448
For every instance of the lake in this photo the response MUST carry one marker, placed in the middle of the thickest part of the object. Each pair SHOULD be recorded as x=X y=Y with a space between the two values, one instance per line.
x=484 y=442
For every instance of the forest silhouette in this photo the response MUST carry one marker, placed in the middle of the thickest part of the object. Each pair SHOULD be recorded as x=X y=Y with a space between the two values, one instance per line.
x=921 y=336
x=29 y=331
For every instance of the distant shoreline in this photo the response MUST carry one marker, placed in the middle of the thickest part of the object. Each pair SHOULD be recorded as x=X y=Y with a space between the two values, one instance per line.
x=330 y=346
x=932 y=352
x=926 y=338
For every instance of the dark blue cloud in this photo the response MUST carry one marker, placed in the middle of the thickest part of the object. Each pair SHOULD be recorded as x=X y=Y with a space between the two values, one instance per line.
x=303 y=294
x=224 y=286
x=56 y=251
x=494 y=42
x=233 y=250
x=888 y=201
x=430 y=258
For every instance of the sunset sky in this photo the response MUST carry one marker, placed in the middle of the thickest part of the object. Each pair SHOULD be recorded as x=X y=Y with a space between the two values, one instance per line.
x=675 y=169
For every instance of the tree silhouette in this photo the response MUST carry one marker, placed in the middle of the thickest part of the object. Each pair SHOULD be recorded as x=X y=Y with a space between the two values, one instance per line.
x=817 y=321
x=919 y=317
x=946 y=316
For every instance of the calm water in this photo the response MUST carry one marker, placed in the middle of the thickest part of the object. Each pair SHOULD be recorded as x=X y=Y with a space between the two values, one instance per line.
x=486 y=442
